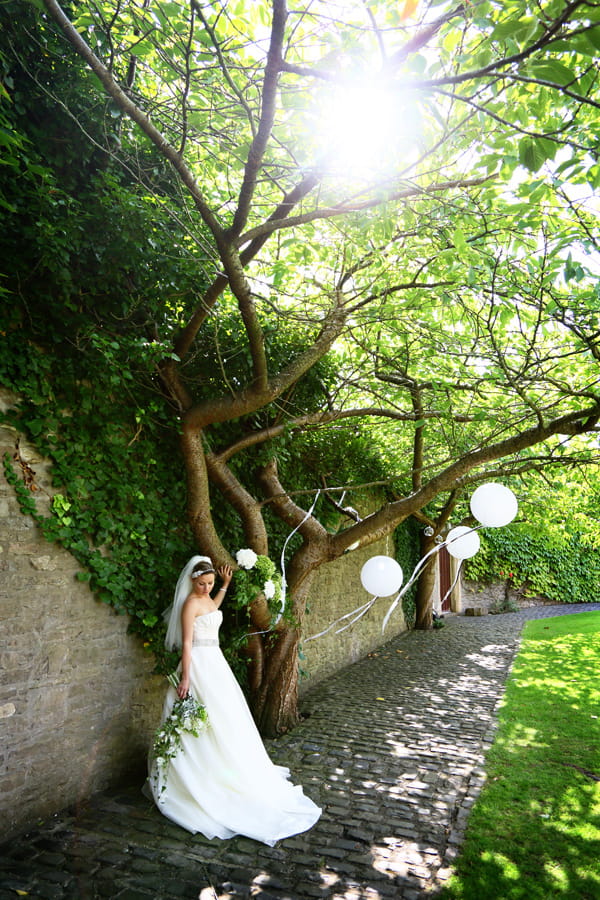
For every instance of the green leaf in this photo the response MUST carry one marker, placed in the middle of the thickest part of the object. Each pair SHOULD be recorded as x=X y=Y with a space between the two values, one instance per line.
x=534 y=152
x=593 y=36
x=553 y=71
x=515 y=27
x=459 y=240
x=7 y=206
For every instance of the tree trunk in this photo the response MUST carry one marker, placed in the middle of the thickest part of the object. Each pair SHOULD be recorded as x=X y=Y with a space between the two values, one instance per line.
x=274 y=702
x=198 y=498
x=274 y=691
x=426 y=584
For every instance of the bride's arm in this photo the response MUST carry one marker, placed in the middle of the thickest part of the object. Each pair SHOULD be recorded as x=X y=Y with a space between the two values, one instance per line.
x=225 y=573
x=188 y=614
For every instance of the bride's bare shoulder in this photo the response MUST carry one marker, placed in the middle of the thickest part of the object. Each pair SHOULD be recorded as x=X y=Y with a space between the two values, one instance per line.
x=191 y=606
x=198 y=606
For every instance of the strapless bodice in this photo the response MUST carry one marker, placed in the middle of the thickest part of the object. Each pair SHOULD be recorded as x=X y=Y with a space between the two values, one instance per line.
x=206 y=629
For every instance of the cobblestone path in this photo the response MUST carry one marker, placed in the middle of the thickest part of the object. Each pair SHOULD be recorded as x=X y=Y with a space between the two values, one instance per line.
x=393 y=750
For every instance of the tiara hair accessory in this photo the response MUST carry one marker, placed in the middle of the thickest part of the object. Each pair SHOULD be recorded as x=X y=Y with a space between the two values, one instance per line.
x=201 y=572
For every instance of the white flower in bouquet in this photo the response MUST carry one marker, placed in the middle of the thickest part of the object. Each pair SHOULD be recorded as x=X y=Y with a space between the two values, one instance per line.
x=269 y=589
x=246 y=558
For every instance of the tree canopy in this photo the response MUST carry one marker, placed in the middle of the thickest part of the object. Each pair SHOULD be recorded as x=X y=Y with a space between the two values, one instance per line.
x=387 y=219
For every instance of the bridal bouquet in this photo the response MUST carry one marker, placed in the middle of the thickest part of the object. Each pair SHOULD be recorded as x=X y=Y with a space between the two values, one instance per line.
x=188 y=716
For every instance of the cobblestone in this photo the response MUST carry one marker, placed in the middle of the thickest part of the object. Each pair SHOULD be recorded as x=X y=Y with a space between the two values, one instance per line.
x=393 y=749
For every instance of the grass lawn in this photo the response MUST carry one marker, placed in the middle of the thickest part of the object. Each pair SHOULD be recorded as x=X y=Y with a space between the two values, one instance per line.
x=534 y=832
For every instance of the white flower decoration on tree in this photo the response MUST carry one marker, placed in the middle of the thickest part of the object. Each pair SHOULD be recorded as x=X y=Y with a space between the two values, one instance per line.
x=246 y=558
x=256 y=577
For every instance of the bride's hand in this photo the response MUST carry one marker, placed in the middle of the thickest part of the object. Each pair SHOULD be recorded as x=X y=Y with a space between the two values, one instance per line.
x=183 y=688
x=226 y=573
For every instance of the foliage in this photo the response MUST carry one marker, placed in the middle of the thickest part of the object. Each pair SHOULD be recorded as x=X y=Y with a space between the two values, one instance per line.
x=533 y=831
x=538 y=562
x=574 y=505
x=80 y=348
x=438 y=622
x=118 y=507
x=406 y=540
x=259 y=577
x=503 y=606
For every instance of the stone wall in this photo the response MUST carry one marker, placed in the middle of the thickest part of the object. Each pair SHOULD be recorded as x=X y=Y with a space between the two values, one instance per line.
x=486 y=596
x=337 y=591
x=78 y=702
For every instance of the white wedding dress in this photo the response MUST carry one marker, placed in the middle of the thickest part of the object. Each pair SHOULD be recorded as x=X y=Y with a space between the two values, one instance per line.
x=222 y=783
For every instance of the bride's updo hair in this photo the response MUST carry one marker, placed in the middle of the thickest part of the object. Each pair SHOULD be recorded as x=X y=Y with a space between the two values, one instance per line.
x=205 y=567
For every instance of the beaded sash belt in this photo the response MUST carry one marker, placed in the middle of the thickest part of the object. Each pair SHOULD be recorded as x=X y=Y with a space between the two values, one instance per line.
x=206 y=642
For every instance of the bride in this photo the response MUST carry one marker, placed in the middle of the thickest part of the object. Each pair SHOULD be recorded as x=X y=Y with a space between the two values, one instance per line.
x=222 y=782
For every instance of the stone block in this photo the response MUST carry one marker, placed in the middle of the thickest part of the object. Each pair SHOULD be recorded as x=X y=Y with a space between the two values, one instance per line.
x=43 y=563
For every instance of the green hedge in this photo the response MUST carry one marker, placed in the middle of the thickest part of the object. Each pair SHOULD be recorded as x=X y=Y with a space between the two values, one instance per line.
x=560 y=567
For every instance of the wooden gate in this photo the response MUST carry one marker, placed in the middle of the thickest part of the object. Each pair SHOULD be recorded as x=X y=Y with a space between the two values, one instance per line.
x=445 y=579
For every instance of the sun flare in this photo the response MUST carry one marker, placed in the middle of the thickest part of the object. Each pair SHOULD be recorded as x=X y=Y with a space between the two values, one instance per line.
x=366 y=128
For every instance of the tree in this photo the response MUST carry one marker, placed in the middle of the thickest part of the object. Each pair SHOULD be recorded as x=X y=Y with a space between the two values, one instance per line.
x=463 y=335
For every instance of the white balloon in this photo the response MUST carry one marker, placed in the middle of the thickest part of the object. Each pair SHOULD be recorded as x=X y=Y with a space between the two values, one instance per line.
x=462 y=542
x=494 y=505
x=381 y=575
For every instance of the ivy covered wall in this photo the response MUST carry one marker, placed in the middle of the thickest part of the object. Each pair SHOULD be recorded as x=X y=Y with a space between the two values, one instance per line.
x=78 y=700
x=533 y=561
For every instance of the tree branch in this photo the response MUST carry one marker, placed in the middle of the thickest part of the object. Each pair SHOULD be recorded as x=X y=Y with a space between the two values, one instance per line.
x=318 y=419
x=135 y=113
x=343 y=208
x=259 y=393
x=267 y=115
x=507 y=61
x=296 y=517
x=224 y=68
